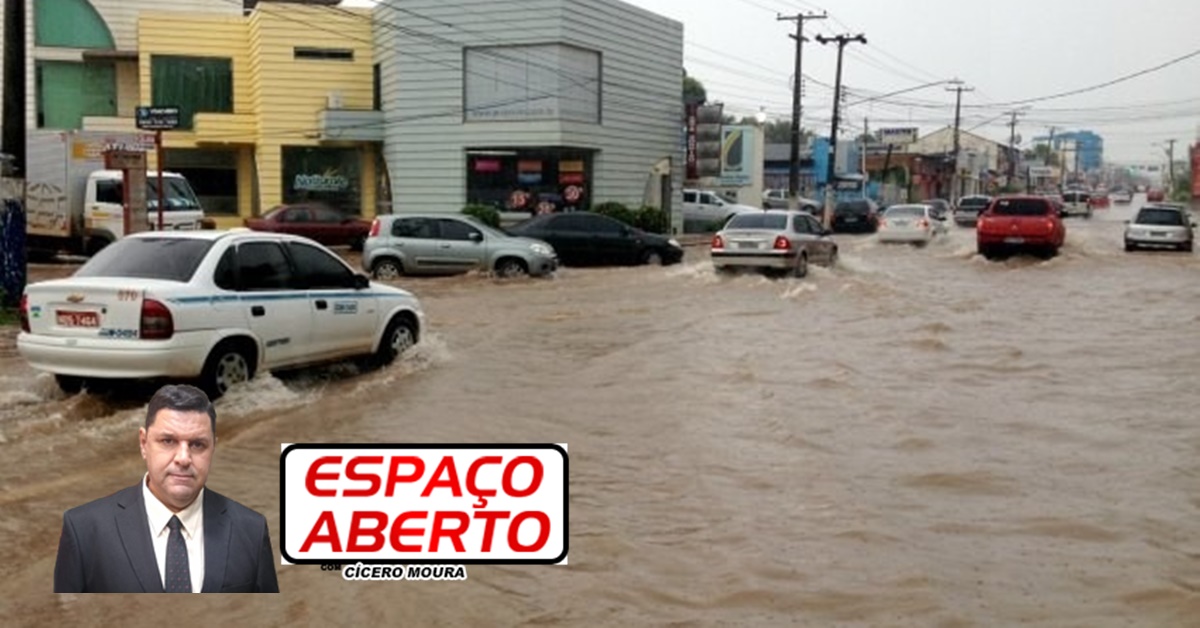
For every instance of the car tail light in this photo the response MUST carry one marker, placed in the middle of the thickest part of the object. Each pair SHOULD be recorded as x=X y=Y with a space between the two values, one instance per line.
x=782 y=243
x=24 y=312
x=157 y=322
x=923 y=224
x=1049 y=225
x=718 y=242
x=374 y=229
x=881 y=222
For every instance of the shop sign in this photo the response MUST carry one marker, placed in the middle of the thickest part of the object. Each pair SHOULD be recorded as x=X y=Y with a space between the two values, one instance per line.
x=320 y=183
x=487 y=165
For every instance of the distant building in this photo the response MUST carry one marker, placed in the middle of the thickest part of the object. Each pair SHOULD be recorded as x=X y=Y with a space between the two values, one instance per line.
x=1089 y=145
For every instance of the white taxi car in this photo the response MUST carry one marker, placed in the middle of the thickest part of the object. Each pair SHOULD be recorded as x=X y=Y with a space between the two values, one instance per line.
x=215 y=307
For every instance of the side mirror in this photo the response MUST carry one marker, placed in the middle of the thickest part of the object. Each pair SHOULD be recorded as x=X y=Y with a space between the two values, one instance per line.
x=1128 y=222
x=826 y=232
x=361 y=282
x=475 y=236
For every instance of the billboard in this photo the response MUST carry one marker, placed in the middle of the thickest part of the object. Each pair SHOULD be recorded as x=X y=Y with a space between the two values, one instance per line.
x=737 y=155
x=898 y=136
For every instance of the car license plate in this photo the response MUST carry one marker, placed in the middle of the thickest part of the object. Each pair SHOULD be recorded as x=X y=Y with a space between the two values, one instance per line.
x=747 y=245
x=67 y=318
x=850 y=219
x=187 y=226
x=1014 y=240
x=1158 y=234
x=900 y=223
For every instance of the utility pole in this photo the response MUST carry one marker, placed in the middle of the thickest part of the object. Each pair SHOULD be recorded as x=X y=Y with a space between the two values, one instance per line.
x=830 y=185
x=1012 y=145
x=797 y=85
x=955 y=182
x=866 y=136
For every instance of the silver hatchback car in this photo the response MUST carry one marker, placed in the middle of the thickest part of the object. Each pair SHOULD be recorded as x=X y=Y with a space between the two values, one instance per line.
x=778 y=242
x=449 y=244
x=1158 y=226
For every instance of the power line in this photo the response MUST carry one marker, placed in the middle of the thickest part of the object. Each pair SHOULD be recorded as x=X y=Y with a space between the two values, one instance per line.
x=1115 y=81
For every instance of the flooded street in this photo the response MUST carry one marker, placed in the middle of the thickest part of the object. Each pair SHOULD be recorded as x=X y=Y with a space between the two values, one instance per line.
x=915 y=438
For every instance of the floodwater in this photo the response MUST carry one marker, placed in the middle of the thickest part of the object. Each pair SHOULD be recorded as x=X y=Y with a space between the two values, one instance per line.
x=916 y=438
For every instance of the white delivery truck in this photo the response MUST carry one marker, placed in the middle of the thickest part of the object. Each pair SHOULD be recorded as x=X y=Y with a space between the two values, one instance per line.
x=74 y=205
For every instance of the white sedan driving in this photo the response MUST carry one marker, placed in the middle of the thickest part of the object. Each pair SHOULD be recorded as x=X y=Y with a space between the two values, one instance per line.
x=916 y=224
x=214 y=307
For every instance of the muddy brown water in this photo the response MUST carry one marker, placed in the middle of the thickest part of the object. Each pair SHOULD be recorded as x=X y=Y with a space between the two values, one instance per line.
x=915 y=438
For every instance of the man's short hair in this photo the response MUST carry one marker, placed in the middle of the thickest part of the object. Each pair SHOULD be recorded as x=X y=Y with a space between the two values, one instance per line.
x=181 y=398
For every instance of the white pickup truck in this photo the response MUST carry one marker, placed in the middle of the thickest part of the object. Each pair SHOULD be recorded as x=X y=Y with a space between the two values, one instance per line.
x=704 y=208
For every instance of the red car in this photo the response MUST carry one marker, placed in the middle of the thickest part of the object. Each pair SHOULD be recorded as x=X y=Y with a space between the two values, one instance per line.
x=1020 y=223
x=318 y=222
x=1155 y=195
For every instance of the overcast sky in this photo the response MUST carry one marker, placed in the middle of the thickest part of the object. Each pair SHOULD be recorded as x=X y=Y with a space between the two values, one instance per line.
x=1007 y=51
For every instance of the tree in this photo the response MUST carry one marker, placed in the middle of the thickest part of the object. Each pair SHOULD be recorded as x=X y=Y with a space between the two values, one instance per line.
x=693 y=91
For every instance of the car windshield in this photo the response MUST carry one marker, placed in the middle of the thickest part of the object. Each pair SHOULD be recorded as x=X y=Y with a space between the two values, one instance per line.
x=905 y=210
x=171 y=259
x=1020 y=207
x=776 y=222
x=973 y=202
x=1163 y=217
x=178 y=194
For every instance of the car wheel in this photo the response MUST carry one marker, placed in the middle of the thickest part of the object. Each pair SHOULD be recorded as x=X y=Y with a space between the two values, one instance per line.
x=387 y=269
x=511 y=267
x=986 y=251
x=400 y=336
x=652 y=258
x=358 y=243
x=1129 y=246
x=801 y=269
x=1186 y=247
x=833 y=257
x=69 y=384
x=231 y=363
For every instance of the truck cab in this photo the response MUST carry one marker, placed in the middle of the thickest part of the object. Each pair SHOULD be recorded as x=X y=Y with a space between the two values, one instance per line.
x=104 y=207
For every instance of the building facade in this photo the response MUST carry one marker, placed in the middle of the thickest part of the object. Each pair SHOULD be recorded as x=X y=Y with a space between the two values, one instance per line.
x=276 y=107
x=276 y=104
x=516 y=104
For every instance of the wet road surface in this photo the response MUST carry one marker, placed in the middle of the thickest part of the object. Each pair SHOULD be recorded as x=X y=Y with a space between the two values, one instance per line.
x=916 y=438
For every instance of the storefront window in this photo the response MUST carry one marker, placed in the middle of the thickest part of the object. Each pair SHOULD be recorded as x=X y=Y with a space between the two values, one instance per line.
x=323 y=175
x=533 y=181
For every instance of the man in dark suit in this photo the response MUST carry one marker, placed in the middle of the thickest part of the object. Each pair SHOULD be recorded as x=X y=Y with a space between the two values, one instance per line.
x=168 y=533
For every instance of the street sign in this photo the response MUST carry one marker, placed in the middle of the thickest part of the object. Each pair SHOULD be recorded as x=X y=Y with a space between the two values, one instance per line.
x=158 y=118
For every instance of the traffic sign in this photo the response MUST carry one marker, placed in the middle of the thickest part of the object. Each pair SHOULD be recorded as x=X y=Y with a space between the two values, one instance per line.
x=158 y=118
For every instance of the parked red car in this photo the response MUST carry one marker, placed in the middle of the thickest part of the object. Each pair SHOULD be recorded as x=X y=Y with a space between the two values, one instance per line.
x=1155 y=195
x=1020 y=223
x=318 y=222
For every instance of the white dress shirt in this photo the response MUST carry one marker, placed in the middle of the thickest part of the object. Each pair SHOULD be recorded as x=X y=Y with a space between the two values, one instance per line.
x=192 y=519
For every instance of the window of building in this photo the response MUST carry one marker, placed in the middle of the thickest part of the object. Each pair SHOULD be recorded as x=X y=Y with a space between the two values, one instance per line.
x=70 y=24
x=519 y=180
x=326 y=54
x=194 y=84
x=66 y=92
x=330 y=176
x=535 y=82
x=213 y=174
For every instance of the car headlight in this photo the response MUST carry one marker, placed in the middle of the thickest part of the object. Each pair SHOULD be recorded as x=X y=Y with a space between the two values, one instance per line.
x=542 y=249
x=675 y=243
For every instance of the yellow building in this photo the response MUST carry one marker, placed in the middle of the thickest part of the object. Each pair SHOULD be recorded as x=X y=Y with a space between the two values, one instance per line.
x=278 y=106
